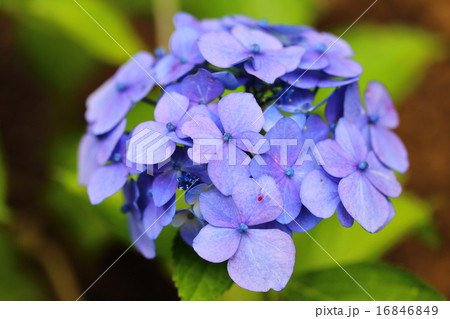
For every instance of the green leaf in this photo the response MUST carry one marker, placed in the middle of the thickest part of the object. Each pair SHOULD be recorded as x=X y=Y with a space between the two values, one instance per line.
x=300 y=11
x=67 y=17
x=381 y=281
x=395 y=55
x=350 y=245
x=195 y=278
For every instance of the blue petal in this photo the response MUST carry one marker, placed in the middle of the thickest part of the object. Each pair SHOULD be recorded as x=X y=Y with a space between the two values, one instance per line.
x=304 y=222
x=216 y=244
x=106 y=181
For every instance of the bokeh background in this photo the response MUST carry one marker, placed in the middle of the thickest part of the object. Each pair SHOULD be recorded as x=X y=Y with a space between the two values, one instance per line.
x=54 y=244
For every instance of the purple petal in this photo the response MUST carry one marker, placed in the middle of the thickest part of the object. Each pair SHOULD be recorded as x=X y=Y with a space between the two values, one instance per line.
x=248 y=37
x=335 y=105
x=106 y=181
x=108 y=143
x=288 y=57
x=171 y=107
x=149 y=144
x=166 y=212
x=190 y=230
x=228 y=79
x=389 y=148
x=315 y=129
x=332 y=83
x=336 y=161
x=87 y=158
x=240 y=112
x=363 y=201
x=379 y=103
x=264 y=260
x=265 y=165
x=230 y=170
x=304 y=222
x=342 y=67
x=271 y=116
x=165 y=186
x=150 y=221
x=219 y=210
x=303 y=79
x=144 y=245
x=381 y=177
x=285 y=140
x=252 y=142
x=344 y=217
x=216 y=244
x=258 y=200
x=291 y=199
x=169 y=69
x=313 y=61
x=265 y=68
x=319 y=194
x=202 y=87
x=183 y=44
x=222 y=49
x=184 y=19
x=350 y=140
x=353 y=107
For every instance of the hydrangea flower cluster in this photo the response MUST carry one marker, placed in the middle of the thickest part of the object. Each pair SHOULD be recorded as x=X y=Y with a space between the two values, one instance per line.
x=240 y=128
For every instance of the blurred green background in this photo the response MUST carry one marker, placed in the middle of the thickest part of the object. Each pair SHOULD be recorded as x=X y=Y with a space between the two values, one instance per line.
x=54 y=244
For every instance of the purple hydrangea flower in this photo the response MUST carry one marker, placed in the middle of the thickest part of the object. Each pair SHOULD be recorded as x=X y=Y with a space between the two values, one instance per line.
x=283 y=162
x=183 y=57
x=269 y=59
x=192 y=197
x=241 y=120
x=109 y=104
x=259 y=259
x=201 y=87
x=365 y=181
x=315 y=79
x=382 y=118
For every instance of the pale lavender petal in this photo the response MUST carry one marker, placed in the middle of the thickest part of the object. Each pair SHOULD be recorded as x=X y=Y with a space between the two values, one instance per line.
x=319 y=194
x=164 y=187
x=240 y=112
x=363 y=201
x=271 y=116
x=184 y=19
x=252 y=142
x=344 y=217
x=343 y=67
x=315 y=129
x=313 y=61
x=350 y=140
x=304 y=222
x=169 y=69
x=171 y=107
x=382 y=177
x=111 y=113
x=108 y=143
x=265 y=165
x=166 y=212
x=219 y=210
x=101 y=97
x=336 y=161
x=202 y=87
x=230 y=170
x=390 y=217
x=106 y=181
x=265 y=68
x=258 y=200
x=291 y=199
x=183 y=44
x=302 y=79
x=247 y=37
x=264 y=260
x=389 y=148
x=144 y=245
x=288 y=57
x=151 y=226
x=286 y=141
x=353 y=108
x=329 y=82
x=216 y=244
x=149 y=144
x=379 y=103
x=87 y=158
x=222 y=49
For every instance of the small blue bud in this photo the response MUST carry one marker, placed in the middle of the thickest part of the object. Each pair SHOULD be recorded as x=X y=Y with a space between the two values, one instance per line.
x=170 y=127
x=182 y=59
x=125 y=208
x=117 y=157
x=363 y=165
x=321 y=47
x=255 y=48
x=289 y=171
x=159 y=52
x=242 y=228
x=227 y=137
x=373 y=118
x=332 y=126
x=120 y=86
x=149 y=193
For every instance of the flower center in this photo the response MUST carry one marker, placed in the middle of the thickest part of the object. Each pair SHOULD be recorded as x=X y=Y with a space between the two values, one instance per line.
x=159 y=52
x=373 y=118
x=149 y=193
x=125 y=208
x=227 y=137
x=289 y=172
x=187 y=181
x=321 y=47
x=176 y=166
x=182 y=59
x=332 y=126
x=120 y=86
x=117 y=157
x=170 y=127
x=363 y=165
x=242 y=228
x=255 y=48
